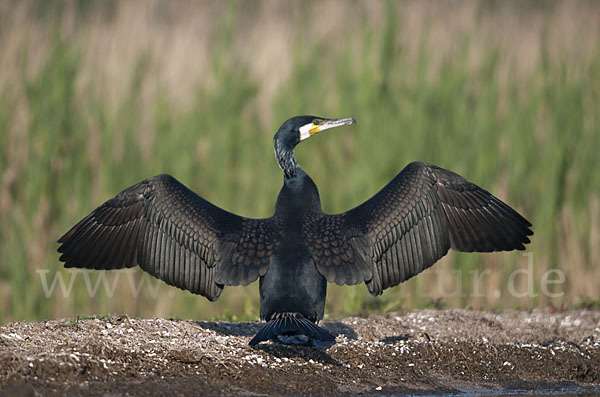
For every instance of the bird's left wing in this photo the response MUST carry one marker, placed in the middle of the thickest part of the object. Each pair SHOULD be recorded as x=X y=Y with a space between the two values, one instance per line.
x=173 y=234
x=410 y=224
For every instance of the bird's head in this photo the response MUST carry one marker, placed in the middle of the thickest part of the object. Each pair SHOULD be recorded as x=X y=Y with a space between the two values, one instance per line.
x=297 y=129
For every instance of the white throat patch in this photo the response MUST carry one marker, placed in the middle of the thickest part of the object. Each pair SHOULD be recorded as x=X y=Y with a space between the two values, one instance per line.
x=305 y=131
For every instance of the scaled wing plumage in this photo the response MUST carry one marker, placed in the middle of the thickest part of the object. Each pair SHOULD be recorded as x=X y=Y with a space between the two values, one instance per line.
x=173 y=234
x=410 y=224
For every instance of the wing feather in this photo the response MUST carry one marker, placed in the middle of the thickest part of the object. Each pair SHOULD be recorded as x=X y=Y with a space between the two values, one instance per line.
x=173 y=234
x=413 y=222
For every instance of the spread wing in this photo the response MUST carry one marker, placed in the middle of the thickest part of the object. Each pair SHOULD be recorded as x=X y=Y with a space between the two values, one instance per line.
x=173 y=234
x=410 y=224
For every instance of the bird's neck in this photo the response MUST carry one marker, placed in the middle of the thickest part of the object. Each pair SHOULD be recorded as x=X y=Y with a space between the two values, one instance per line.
x=287 y=162
x=298 y=196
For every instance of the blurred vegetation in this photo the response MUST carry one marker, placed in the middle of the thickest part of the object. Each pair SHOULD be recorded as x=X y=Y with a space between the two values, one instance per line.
x=71 y=137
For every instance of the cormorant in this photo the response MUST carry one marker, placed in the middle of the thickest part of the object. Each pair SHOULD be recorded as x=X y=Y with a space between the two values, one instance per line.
x=177 y=236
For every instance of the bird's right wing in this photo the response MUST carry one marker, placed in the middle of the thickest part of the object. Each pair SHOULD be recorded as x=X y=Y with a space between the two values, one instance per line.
x=173 y=234
x=411 y=223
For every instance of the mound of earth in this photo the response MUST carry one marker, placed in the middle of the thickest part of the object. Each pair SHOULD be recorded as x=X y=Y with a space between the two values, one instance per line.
x=422 y=352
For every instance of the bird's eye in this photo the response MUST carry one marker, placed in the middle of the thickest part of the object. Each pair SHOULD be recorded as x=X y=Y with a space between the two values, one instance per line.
x=315 y=122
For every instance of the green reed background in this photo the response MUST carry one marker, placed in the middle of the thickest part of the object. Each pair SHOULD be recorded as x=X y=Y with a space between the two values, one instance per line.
x=95 y=96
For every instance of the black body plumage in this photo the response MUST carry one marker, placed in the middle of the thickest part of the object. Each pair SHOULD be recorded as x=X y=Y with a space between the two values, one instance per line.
x=180 y=238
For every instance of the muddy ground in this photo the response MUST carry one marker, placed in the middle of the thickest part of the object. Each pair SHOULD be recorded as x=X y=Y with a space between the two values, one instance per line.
x=421 y=352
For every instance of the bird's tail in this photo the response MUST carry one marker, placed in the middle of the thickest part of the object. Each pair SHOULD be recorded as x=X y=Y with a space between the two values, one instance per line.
x=285 y=327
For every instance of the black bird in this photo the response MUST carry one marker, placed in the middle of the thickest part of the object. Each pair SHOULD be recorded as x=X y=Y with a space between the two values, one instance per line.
x=177 y=236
